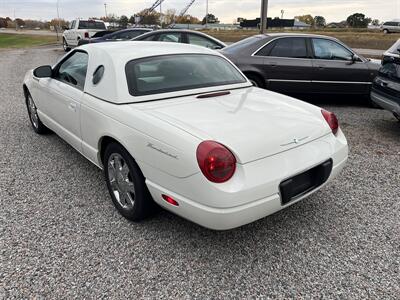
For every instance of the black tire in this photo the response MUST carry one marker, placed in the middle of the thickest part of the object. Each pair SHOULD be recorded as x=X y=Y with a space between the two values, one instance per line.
x=65 y=46
x=256 y=80
x=371 y=103
x=137 y=203
x=36 y=123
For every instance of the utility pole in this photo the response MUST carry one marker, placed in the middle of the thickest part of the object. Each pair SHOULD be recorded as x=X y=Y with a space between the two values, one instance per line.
x=59 y=22
x=16 y=23
x=206 y=13
x=161 y=15
x=282 y=13
x=105 y=9
x=263 y=20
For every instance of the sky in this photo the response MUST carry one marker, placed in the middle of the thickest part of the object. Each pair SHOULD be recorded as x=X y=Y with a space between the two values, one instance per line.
x=226 y=10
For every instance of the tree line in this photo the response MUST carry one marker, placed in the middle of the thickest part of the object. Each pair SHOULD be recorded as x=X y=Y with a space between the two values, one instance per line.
x=357 y=20
x=146 y=18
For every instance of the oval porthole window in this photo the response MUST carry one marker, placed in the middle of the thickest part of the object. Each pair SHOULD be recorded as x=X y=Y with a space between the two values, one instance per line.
x=98 y=74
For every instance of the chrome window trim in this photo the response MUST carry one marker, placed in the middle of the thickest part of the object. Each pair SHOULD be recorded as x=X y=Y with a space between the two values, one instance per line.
x=363 y=60
x=319 y=81
x=277 y=38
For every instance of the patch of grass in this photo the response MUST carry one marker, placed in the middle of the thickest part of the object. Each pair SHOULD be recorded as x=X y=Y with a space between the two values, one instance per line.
x=23 y=41
x=353 y=38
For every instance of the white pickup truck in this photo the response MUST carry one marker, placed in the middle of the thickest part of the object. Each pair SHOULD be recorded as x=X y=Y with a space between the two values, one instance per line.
x=81 y=29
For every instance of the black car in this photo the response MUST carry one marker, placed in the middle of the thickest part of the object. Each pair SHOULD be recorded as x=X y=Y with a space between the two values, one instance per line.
x=386 y=87
x=303 y=64
x=120 y=35
x=182 y=36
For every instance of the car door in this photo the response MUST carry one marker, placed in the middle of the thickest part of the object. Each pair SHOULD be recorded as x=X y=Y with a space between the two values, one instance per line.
x=68 y=33
x=335 y=71
x=287 y=65
x=196 y=39
x=74 y=33
x=62 y=94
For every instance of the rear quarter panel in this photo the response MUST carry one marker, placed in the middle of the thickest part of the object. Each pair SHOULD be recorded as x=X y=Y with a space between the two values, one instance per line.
x=161 y=150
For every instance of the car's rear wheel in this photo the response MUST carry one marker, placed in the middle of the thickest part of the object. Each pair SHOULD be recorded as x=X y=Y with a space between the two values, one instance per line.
x=255 y=80
x=126 y=184
x=37 y=125
x=385 y=31
x=65 y=45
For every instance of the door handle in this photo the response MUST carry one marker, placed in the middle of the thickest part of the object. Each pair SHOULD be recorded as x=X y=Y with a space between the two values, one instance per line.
x=72 y=106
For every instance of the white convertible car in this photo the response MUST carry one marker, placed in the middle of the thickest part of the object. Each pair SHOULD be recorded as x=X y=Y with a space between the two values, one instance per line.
x=181 y=126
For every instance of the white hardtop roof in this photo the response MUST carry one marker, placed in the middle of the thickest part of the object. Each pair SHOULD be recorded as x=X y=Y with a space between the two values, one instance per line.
x=114 y=56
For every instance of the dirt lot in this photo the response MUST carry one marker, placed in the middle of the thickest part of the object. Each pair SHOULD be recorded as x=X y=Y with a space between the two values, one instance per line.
x=355 y=39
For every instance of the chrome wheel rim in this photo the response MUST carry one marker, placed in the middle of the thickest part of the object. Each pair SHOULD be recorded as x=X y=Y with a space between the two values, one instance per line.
x=33 y=112
x=120 y=181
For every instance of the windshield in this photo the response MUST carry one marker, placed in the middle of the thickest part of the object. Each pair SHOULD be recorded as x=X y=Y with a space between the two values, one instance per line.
x=91 y=25
x=171 y=73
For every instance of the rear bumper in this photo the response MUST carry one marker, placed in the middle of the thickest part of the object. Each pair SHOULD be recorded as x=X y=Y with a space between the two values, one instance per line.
x=255 y=194
x=229 y=218
x=387 y=102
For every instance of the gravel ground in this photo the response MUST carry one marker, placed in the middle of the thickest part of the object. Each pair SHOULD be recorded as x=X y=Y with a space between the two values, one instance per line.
x=60 y=236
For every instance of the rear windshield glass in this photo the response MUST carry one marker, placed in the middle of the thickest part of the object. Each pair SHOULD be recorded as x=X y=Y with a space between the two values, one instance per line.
x=170 y=73
x=91 y=25
x=391 y=70
x=243 y=44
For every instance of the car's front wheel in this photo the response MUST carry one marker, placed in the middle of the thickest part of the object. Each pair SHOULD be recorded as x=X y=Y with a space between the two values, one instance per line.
x=126 y=184
x=256 y=80
x=65 y=45
x=385 y=31
x=37 y=125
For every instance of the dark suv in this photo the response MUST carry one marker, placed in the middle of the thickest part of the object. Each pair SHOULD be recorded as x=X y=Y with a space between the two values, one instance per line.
x=386 y=86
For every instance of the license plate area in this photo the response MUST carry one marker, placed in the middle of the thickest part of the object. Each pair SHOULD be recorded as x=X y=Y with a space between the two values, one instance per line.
x=301 y=184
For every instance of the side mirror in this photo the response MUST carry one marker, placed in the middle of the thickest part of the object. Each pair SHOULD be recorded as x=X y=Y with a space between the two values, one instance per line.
x=355 y=58
x=65 y=27
x=43 y=72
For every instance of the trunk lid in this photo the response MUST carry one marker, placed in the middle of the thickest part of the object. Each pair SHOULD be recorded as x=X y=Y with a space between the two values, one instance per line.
x=251 y=122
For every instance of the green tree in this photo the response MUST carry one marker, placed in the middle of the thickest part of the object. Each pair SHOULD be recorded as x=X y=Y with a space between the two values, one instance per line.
x=375 y=22
x=123 y=21
x=149 y=18
x=319 y=21
x=308 y=19
x=3 y=22
x=211 y=19
x=358 y=20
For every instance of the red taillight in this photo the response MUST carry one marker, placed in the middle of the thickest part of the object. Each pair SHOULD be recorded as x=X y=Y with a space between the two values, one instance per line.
x=86 y=35
x=331 y=120
x=170 y=200
x=217 y=163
